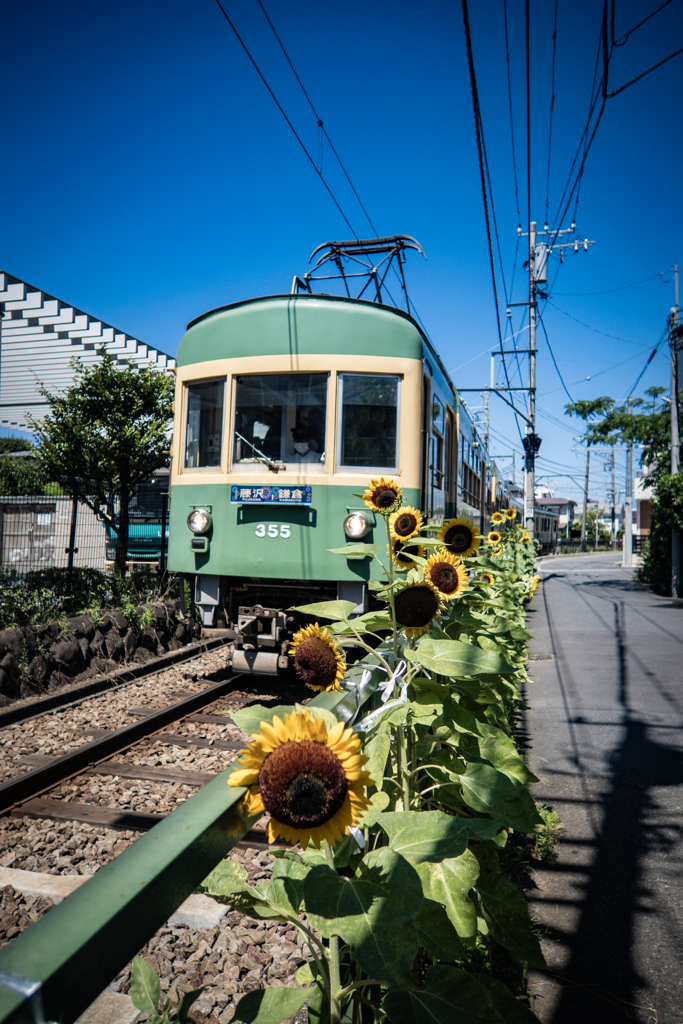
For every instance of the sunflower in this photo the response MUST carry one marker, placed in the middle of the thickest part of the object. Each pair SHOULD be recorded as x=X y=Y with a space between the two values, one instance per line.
x=534 y=584
x=497 y=551
x=497 y=518
x=493 y=537
x=401 y=551
x=510 y=513
x=310 y=780
x=460 y=536
x=405 y=523
x=416 y=607
x=318 y=660
x=446 y=574
x=383 y=496
x=525 y=540
x=487 y=578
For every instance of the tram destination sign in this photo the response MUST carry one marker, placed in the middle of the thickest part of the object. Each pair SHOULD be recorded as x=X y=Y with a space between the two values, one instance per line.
x=270 y=495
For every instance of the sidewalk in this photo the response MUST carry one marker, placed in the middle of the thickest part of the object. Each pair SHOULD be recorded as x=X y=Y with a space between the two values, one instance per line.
x=605 y=726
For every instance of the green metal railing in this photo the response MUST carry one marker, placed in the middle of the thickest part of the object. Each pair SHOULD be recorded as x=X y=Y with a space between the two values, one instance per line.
x=79 y=947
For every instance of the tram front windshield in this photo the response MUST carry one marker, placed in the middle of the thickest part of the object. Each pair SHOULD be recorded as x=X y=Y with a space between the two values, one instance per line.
x=282 y=418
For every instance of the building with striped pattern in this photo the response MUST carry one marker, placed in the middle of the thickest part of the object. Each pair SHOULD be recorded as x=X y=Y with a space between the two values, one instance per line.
x=39 y=336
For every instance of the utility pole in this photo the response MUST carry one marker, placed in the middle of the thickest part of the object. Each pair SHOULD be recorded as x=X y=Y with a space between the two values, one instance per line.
x=614 y=503
x=628 y=503
x=530 y=476
x=486 y=405
x=539 y=254
x=585 y=499
x=674 y=341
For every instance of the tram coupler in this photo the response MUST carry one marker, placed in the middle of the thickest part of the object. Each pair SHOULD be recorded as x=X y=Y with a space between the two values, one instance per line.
x=263 y=636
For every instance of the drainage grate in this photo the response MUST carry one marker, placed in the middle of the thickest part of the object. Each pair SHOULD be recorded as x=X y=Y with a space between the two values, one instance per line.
x=541 y=657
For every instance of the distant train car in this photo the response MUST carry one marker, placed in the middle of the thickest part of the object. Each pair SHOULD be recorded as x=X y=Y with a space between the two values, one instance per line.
x=286 y=406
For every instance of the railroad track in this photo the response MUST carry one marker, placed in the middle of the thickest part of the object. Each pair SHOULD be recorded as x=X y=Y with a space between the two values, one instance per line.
x=40 y=792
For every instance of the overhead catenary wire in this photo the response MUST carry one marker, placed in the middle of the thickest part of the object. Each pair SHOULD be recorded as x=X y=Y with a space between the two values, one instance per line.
x=318 y=118
x=482 y=173
x=282 y=111
x=552 y=108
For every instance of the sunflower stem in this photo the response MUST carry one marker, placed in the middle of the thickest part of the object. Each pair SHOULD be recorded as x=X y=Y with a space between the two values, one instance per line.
x=391 y=588
x=402 y=752
x=333 y=953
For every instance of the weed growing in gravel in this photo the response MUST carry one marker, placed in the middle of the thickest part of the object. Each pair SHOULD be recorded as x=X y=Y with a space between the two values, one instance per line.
x=145 y=991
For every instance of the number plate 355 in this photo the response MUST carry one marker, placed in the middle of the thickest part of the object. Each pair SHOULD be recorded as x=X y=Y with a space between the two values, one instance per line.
x=273 y=530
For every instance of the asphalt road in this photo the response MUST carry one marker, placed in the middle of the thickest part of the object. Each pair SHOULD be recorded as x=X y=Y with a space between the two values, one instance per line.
x=605 y=728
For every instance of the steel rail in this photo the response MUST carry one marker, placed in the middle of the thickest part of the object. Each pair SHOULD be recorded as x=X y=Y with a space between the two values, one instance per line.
x=39 y=780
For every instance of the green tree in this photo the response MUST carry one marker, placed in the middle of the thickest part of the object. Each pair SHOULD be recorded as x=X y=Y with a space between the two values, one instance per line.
x=108 y=432
x=14 y=444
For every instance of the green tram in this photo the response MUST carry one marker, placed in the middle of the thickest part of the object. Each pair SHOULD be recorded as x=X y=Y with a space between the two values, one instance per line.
x=285 y=407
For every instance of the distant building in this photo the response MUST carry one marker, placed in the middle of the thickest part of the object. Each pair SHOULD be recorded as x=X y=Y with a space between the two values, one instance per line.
x=643 y=510
x=564 y=507
x=39 y=335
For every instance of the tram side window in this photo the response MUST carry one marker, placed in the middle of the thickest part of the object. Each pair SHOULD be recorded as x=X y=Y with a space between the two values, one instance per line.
x=203 y=437
x=282 y=417
x=368 y=425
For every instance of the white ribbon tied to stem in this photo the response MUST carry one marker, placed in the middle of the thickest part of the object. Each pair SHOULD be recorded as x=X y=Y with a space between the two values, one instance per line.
x=387 y=689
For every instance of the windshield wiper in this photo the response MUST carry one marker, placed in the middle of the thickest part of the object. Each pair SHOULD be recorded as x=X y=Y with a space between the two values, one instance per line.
x=260 y=455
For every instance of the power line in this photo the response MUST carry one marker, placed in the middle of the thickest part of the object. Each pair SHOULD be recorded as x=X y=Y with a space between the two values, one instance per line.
x=624 y=39
x=552 y=107
x=649 y=71
x=591 y=328
x=665 y=335
x=281 y=109
x=482 y=173
x=609 y=291
x=552 y=356
x=512 y=128
x=318 y=118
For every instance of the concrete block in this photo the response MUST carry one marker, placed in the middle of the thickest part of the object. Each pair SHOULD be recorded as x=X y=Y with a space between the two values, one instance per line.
x=110 y=1008
x=198 y=911
x=36 y=883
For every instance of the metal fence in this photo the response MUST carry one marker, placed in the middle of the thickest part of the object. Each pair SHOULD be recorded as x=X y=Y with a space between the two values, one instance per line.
x=59 y=531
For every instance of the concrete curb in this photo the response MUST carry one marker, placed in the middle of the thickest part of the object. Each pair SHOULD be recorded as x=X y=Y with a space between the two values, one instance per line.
x=198 y=911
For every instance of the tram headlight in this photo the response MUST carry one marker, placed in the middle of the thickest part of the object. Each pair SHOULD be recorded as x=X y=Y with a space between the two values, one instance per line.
x=199 y=520
x=357 y=525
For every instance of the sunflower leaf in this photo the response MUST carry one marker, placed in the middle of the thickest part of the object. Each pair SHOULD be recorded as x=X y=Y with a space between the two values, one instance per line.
x=489 y=791
x=454 y=658
x=372 y=912
x=433 y=835
x=356 y=550
x=448 y=994
x=436 y=933
x=145 y=987
x=249 y=719
x=449 y=883
x=336 y=611
x=507 y=912
x=270 y=1005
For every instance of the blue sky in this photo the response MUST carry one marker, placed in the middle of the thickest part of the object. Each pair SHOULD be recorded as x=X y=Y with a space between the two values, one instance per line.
x=148 y=175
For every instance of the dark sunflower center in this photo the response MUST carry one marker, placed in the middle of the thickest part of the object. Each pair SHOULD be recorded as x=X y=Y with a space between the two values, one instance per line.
x=459 y=538
x=403 y=550
x=405 y=524
x=416 y=606
x=444 y=576
x=302 y=784
x=315 y=662
x=384 y=498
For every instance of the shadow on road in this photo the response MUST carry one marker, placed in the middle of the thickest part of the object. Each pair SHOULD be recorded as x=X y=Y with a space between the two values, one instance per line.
x=601 y=982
